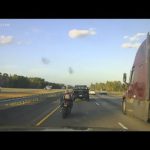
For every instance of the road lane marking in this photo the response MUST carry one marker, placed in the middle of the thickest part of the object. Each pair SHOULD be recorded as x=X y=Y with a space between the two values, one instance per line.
x=124 y=127
x=97 y=103
x=47 y=116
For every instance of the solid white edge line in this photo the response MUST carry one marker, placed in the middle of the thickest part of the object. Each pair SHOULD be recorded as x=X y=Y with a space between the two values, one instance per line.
x=96 y=103
x=124 y=127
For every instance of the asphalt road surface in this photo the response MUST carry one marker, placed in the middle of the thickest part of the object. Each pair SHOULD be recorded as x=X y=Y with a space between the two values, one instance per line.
x=101 y=113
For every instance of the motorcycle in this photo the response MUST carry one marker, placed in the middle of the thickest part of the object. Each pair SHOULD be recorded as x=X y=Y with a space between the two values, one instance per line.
x=66 y=108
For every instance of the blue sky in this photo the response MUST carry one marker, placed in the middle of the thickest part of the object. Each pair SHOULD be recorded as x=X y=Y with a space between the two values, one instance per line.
x=96 y=50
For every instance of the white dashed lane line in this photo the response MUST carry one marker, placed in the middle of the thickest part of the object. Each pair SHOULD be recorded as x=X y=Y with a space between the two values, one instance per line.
x=124 y=127
x=97 y=103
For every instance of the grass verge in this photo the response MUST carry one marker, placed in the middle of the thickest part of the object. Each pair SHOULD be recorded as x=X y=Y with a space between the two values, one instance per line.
x=7 y=93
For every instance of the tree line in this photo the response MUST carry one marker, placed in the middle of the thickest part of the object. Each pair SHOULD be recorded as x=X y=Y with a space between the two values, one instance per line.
x=109 y=86
x=17 y=81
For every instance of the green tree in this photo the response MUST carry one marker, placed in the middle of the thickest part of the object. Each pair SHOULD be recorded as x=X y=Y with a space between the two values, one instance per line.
x=0 y=79
x=92 y=86
x=5 y=80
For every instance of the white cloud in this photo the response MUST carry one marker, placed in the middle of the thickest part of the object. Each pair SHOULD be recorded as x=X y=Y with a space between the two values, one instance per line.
x=130 y=45
x=133 y=41
x=76 y=33
x=126 y=36
x=137 y=37
x=5 y=39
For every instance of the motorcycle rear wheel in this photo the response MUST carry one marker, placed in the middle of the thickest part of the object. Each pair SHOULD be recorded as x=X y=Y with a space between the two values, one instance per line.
x=64 y=113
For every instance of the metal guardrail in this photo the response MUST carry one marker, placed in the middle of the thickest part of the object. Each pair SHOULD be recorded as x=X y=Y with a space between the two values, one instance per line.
x=23 y=100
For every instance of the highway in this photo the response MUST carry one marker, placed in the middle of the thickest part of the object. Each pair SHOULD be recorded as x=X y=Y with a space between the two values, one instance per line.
x=101 y=113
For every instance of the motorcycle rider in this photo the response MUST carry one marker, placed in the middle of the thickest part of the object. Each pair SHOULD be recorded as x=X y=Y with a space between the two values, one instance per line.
x=67 y=96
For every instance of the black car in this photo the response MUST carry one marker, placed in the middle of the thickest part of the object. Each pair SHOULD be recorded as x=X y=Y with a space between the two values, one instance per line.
x=81 y=92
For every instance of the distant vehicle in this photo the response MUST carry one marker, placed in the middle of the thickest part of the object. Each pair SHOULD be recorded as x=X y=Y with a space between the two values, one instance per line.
x=48 y=87
x=92 y=92
x=136 y=100
x=103 y=92
x=81 y=92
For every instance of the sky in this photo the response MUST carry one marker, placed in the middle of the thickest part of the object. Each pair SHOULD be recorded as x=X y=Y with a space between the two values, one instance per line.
x=71 y=51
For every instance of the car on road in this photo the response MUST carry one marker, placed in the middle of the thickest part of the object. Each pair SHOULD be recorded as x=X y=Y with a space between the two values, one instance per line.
x=81 y=92
x=103 y=92
x=92 y=92
x=48 y=87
